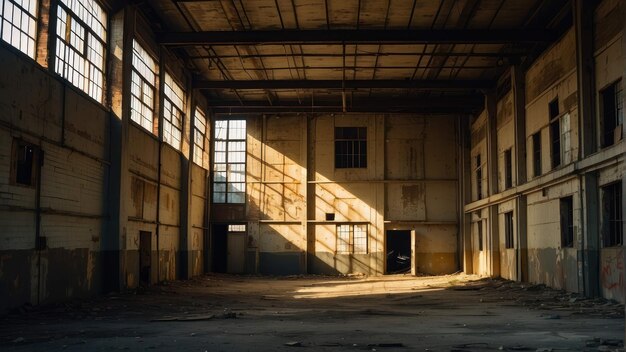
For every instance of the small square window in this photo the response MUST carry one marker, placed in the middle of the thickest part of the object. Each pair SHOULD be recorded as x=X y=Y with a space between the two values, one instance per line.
x=350 y=147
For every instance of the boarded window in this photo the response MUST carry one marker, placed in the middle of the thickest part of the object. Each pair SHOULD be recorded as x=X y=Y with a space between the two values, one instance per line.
x=143 y=81
x=80 y=45
x=229 y=162
x=508 y=230
x=18 y=24
x=352 y=239
x=567 y=222
x=173 y=104
x=612 y=228
x=612 y=113
x=350 y=147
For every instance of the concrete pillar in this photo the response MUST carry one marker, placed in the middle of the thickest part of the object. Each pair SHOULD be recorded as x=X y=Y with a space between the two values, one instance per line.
x=186 y=157
x=465 y=195
x=522 y=238
x=493 y=243
x=591 y=234
x=310 y=194
x=46 y=41
x=624 y=134
x=117 y=179
x=583 y=23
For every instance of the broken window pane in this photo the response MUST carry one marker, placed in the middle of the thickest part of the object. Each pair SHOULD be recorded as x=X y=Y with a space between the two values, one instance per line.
x=229 y=160
x=173 y=105
x=143 y=80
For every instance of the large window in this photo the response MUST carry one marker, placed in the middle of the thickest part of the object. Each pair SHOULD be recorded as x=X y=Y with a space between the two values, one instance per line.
x=352 y=239
x=567 y=221
x=508 y=230
x=173 y=103
x=18 y=24
x=350 y=147
x=143 y=81
x=229 y=164
x=612 y=228
x=612 y=113
x=199 y=137
x=80 y=45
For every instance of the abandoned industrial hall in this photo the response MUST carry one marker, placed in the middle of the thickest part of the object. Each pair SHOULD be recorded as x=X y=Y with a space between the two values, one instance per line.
x=145 y=142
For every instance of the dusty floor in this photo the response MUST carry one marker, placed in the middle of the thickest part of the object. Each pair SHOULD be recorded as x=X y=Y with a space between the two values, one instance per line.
x=391 y=313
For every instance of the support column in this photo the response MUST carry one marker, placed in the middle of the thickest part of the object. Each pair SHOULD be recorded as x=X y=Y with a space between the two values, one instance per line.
x=591 y=237
x=465 y=194
x=583 y=23
x=491 y=101
x=117 y=180
x=519 y=117
x=187 y=150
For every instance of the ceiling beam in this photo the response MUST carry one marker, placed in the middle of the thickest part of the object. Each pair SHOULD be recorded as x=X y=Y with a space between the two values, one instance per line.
x=361 y=36
x=466 y=104
x=348 y=84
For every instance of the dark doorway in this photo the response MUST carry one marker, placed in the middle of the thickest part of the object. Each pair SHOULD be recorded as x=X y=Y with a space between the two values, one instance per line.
x=398 y=251
x=145 y=257
x=219 y=247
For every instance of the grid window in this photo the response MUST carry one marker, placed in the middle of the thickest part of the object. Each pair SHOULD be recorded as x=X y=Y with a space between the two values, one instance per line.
x=143 y=81
x=350 y=147
x=199 y=137
x=229 y=162
x=567 y=221
x=18 y=24
x=508 y=230
x=612 y=228
x=80 y=45
x=508 y=169
x=479 y=177
x=236 y=228
x=352 y=239
x=612 y=113
x=537 y=154
x=173 y=103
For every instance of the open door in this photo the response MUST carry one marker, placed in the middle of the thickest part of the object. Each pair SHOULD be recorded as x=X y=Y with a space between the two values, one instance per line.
x=236 y=249
x=219 y=233
x=398 y=249
x=145 y=257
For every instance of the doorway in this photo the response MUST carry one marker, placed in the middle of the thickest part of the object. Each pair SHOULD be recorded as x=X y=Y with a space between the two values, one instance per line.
x=145 y=257
x=219 y=233
x=398 y=249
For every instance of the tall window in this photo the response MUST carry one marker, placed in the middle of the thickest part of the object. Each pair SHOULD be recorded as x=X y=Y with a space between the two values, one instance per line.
x=80 y=45
x=25 y=163
x=479 y=224
x=508 y=230
x=537 y=154
x=479 y=177
x=612 y=113
x=18 y=24
x=229 y=164
x=555 y=132
x=567 y=222
x=199 y=137
x=352 y=239
x=350 y=147
x=612 y=229
x=173 y=100
x=508 y=169
x=143 y=81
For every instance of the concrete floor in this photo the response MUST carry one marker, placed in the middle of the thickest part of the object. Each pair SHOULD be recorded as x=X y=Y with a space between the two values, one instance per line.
x=391 y=313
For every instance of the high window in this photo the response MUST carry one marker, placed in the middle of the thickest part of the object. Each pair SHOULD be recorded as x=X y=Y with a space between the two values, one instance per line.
x=352 y=239
x=350 y=147
x=80 y=45
x=143 y=81
x=537 y=154
x=508 y=169
x=18 y=24
x=508 y=230
x=612 y=229
x=555 y=132
x=479 y=177
x=199 y=137
x=173 y=102
x=229 y=162
x=567 y=222
x=612 y=113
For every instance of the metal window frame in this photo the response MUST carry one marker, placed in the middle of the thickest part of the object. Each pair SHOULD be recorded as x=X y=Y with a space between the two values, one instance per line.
x=171 y=115
x=145 y=80
x=32 y=16
x=227 y=162
x=356 y=157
